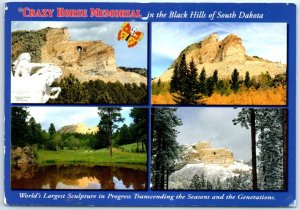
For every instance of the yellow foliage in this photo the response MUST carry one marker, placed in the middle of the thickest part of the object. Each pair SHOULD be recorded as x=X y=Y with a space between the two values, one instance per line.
x=270 y=96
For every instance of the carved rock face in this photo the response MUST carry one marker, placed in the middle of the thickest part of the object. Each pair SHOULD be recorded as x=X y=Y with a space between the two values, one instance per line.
x=225 y=56
x=203 y=153
x=83 y=56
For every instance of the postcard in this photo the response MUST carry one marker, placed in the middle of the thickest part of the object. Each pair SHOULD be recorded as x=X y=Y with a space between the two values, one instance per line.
x=150 y=104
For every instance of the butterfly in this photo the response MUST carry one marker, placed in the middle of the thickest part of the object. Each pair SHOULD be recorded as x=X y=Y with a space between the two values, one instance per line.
x=131 y=35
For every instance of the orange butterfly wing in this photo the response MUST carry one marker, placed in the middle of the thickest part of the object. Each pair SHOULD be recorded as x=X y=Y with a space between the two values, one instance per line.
x=124 y=32
x=133 y=40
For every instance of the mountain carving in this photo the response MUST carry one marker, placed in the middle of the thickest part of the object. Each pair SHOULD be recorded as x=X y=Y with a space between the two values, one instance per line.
x=78 y=128
x=225 y=56
x=202 y=152
x=86 y=60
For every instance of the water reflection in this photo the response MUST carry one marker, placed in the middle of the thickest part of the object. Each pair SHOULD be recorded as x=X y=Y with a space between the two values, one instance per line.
x=80 y=177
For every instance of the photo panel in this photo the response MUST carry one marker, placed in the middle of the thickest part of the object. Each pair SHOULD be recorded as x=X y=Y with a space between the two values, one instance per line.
x=229 y=149
x=78 y=148
x=79 y=62
x=226 y=63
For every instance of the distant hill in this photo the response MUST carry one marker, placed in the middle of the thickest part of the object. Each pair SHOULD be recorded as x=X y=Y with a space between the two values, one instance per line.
x=140 y=71
x=78 y=128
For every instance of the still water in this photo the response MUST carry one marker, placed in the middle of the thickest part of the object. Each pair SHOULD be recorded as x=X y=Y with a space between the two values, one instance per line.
x=80 y=177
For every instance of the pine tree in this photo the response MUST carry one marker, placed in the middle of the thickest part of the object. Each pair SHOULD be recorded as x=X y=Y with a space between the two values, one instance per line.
x=175 y=80
x=284 y=148
x=246 y=118
x=19 y=126
x=235 y=80
x=193 y=93
x=270 y=146
x=195 y=183
x=165 y=148
x=210 y=86
x=140 y=126
x=247 y=80
x=218 y=184
x=35 y=130
x=202 y=82
x=51 y=129
x=184 y=85
x=215 y=78
x=109 y=116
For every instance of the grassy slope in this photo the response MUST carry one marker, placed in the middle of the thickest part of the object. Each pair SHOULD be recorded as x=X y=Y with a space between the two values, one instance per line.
x=131 y=147
x=93 y=156
x=271 y=96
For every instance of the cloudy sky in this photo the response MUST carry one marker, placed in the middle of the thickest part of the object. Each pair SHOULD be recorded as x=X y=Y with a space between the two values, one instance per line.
x=104 y=31
x=266 y=40
x=214 y=125
x=61 y=116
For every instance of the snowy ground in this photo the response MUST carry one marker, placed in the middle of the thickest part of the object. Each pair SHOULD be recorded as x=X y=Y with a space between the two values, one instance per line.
x=181 y=179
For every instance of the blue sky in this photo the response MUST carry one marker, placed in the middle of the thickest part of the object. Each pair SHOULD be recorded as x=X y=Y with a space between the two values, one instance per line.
x=105 y=31
x=266 y=40
x=61 y=116
x=214 y=125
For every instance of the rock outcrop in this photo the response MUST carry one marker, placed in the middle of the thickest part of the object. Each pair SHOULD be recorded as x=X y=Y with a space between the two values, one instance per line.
x=224 y=56
x=86 y=60
x=90 y=57
x=202 y=152
x=205 y=154
x=23 y=162
x=78 y=128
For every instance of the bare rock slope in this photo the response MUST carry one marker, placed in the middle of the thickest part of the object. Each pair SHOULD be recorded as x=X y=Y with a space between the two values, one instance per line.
x=224 y=56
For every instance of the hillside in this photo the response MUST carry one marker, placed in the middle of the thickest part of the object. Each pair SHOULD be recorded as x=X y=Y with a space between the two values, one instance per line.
x=203 y=160
x=225 y=56
x=78 y=128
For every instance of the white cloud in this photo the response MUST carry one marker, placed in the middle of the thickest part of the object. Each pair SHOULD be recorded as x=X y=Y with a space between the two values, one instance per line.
x=214 y=125
x=61 y=116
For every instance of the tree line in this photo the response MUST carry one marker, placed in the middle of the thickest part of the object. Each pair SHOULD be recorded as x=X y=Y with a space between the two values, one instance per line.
x=240 y=182
x=187 y=87
x=99 y=92
x=25 y=131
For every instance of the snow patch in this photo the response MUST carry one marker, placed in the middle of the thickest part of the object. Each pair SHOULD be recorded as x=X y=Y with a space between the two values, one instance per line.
x=181 y=179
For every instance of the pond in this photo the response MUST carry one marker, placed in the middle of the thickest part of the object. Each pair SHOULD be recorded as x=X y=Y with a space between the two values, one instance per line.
x=80 y=177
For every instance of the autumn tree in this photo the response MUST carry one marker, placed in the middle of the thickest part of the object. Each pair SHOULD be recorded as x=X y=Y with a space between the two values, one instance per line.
x=109 y=116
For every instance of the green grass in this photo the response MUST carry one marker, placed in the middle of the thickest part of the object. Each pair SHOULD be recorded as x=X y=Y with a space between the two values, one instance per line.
x=90 y=157
x=132 y=148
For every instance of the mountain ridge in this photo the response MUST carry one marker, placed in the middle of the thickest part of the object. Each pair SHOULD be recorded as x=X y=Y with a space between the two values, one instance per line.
x=225 y=56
